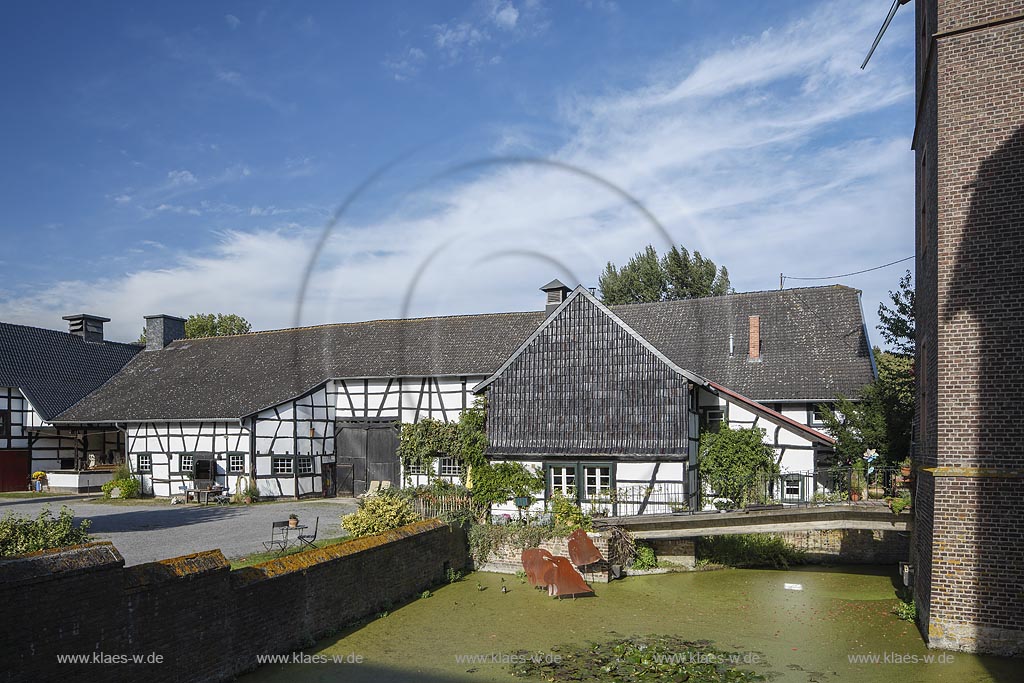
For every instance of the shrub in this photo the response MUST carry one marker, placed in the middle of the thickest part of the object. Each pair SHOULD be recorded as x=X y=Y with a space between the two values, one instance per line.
x=645 y=558
x=733 y=461
x=377 y=514
x=749 y=550
x=122 y=471
x=899 y=503
x=484 y=539
x=130 y=487
x=19 y=535
x=569 y=516
x=906 y=609
x=504 y=481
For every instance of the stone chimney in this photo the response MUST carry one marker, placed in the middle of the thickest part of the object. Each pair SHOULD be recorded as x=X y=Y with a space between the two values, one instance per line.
x=88 y=327
x=161 y=330
x=556 y=293
x=754 y=354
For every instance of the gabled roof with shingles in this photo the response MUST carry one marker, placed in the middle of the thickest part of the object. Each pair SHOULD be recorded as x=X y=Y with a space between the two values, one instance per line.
x=54 y=370
x=814 y=346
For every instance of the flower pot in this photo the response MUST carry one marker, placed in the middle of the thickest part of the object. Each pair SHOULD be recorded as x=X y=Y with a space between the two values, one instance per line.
x=293 y=523
x=854 y=496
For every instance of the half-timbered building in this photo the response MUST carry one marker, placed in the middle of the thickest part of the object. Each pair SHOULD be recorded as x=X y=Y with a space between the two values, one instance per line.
x=43 y=373
x=604 y=409
x=599 y=397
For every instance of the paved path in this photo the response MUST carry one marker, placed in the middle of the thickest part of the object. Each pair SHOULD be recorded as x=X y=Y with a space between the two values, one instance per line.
x=154 y=531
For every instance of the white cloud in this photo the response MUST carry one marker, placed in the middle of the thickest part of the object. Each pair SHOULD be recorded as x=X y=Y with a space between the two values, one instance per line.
x=406 y=65
x=505 y=15
x=763 y=155
x=123 y=199
x=176 y=178
x=232 y=21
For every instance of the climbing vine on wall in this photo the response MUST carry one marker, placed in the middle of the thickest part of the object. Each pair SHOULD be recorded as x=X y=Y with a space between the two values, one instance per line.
x=422 y=443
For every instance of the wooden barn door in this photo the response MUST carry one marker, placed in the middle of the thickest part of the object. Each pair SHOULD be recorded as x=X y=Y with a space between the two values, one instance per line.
x=370 y=450
x=15 y=470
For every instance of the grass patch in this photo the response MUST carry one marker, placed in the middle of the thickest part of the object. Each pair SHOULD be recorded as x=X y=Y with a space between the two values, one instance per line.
x=156 y=502
x=256 y=558
x=33 y=494
x=748 y=550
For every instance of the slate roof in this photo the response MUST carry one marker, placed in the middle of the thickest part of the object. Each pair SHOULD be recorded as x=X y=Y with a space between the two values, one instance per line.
x=813 y=347
x=813 y=340
x=56 y=369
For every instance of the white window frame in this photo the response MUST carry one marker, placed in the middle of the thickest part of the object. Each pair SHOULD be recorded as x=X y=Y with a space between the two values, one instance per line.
x=190 y=460
x=449 y=467
x=304 y=466
x=415 y=469
x=232 y=459
x=279 y=466
x=145 y=462
x=563 y=479
x=595 y=482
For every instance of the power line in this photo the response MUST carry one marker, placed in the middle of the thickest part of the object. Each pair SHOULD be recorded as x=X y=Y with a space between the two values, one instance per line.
x=836 y=277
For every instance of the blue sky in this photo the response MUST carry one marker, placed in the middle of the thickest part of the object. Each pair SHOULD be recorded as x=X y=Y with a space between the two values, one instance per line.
x=185 y=157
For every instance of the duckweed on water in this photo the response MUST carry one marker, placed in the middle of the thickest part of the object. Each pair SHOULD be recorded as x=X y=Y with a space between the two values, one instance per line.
x=649 y=659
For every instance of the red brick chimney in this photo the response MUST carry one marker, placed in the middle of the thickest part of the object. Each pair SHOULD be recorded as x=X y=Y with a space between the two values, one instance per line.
x=755 y=338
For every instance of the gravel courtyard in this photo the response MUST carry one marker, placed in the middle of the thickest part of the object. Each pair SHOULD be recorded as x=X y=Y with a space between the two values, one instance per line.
x=156 y=530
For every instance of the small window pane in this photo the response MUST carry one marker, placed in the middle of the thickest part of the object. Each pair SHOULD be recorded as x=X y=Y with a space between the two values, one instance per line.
x=145 y=462
x=449 y=467
x=597 y=480
x=187 y=463
x=236 y=462
x=305 y=465
x=282 y=465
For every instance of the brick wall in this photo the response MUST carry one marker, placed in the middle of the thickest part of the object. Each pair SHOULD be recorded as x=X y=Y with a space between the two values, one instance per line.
x=206 y=621
x=507 y=559
x=968 y=546
x=850 y=546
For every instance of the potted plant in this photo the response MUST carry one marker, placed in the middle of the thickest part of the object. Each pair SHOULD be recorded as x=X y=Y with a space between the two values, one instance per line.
x=857 y=480
x=293 y=520
x=905 y=468
x=38 y=480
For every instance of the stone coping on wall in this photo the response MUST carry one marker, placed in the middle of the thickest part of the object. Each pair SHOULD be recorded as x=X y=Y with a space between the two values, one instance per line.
x=43 y=565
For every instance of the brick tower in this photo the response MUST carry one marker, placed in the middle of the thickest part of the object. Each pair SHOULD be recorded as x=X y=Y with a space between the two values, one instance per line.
x=968 y=550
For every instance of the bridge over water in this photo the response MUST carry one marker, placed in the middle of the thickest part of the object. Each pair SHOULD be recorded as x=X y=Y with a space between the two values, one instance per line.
x=776 y=520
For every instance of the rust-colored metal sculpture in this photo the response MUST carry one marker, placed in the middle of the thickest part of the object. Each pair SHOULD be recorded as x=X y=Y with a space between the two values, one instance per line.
x=557 y=574
x=535 y=563
x=563 y=579
x=582 y=550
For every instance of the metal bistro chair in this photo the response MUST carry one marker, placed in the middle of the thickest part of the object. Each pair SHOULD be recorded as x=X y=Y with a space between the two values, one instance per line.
x=310 y=539
x=278 y=536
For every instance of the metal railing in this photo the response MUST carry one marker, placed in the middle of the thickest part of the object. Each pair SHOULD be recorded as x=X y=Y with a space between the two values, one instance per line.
x=829 y=485
x=642 y=499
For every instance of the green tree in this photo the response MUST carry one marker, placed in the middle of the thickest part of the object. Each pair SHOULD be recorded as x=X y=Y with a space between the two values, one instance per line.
x=215 y=325
x=732 y=461
x=647 y=277
x=211 y=325
x=880 y=417
x=897 y=324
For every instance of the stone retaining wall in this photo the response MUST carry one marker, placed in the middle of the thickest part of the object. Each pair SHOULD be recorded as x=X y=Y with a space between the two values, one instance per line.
x=205 y=621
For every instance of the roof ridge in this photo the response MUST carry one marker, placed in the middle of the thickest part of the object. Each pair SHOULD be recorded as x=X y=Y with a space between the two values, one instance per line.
x=64 y=333
x=734 y=295
x=358 y=322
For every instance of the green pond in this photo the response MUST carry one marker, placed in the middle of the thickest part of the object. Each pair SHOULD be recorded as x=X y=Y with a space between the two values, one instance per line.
x=802 y=624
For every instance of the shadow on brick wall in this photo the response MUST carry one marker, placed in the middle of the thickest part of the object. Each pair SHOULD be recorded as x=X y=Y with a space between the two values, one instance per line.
x=976 y=588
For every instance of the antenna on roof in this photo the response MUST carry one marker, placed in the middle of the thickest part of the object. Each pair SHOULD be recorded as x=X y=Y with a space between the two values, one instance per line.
x=885 y=24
